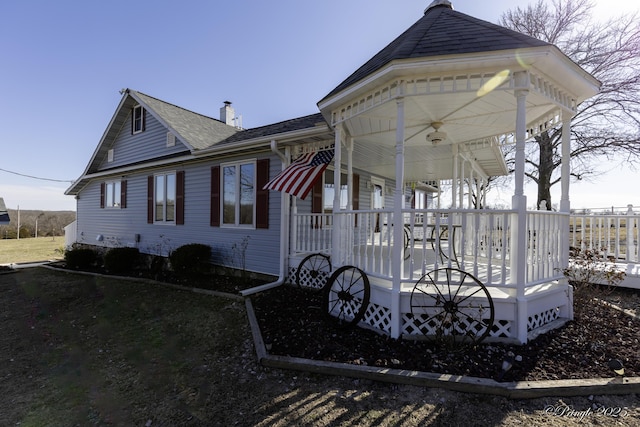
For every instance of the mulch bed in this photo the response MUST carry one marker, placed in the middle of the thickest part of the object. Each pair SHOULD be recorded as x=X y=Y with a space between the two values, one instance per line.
x=293 y=324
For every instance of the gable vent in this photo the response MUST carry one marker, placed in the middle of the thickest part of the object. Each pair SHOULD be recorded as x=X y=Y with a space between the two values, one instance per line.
x=171 y=139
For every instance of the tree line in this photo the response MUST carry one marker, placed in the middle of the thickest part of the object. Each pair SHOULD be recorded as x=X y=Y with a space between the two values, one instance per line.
x=36 y=223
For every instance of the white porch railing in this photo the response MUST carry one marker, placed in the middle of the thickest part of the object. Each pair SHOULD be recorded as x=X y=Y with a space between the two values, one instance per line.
x=612 y=235
x=476 y=241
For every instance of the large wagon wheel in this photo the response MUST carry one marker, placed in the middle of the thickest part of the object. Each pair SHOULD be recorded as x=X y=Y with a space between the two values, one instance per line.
x=346 y=295
x=313 y=271
x=452 y=306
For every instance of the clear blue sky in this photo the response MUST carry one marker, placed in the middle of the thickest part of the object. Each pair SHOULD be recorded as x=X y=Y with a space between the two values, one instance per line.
x=63 y=63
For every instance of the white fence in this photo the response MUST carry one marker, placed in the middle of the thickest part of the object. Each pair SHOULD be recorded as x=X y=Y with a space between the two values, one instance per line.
x=612 y=235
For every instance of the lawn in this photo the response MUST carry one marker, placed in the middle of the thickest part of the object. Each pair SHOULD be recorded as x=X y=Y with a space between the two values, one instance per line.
x=31 y=249
x=91 y=350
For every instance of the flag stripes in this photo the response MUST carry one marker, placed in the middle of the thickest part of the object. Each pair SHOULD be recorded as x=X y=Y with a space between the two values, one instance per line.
x=300 y=176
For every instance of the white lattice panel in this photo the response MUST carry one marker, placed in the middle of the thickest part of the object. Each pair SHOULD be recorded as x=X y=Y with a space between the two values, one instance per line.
x=541 y=319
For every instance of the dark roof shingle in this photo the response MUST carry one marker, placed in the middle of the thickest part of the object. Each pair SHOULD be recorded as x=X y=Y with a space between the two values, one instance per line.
x=442 y=31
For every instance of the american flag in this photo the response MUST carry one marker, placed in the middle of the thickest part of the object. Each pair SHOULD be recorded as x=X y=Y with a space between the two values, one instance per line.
x=300 y=176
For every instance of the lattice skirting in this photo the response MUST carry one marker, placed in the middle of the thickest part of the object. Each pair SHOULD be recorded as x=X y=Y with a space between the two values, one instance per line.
x=500 y=329
x=541 y=319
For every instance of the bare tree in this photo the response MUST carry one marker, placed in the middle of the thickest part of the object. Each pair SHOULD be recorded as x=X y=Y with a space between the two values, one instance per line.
x=606 y=125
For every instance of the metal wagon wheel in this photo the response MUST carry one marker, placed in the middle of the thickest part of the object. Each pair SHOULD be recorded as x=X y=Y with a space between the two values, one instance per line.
x=314 y=271
x=452 y=306
x=346 y=295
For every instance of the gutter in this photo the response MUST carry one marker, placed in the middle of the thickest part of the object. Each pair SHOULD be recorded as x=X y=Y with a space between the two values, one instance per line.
x=285 y=208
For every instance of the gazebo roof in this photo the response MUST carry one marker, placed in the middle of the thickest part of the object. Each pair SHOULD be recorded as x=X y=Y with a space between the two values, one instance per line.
x=458 y=75
x=442 y=31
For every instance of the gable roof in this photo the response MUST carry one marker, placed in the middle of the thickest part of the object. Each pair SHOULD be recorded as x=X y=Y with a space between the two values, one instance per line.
x=4 y=214
x=196 y=130
x=442 y=31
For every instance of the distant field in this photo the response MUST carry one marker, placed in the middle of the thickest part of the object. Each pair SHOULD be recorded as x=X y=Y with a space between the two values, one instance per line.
x=31 y=249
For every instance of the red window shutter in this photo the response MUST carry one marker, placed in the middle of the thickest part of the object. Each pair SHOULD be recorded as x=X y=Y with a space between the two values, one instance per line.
x=316 y=202
x=215 y=197
x=355 y=196
x=316 y=197
x=150 y=199
x=123 y=194
x=180 y=198
x=102 y=190
x=262 y=196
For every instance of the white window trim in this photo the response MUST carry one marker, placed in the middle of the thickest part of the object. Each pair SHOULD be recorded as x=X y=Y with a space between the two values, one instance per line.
x=164 y=206
x=237 y=204
x=133 y=116
x=116 y=194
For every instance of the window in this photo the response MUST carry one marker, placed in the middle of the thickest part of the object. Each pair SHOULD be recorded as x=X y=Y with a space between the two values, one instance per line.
x=165 y=198
x=234 y=213
x=113 y=194
x=238 y=194
x=110 y=155
x=137 y=119
x=329 y=189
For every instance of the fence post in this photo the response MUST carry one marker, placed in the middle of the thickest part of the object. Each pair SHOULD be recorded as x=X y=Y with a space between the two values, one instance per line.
x=630 y=223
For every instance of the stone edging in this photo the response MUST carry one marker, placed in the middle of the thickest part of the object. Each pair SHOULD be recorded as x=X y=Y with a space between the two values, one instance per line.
x=512 y=390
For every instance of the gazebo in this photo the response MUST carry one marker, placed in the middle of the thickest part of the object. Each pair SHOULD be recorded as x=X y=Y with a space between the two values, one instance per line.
x=436 y=106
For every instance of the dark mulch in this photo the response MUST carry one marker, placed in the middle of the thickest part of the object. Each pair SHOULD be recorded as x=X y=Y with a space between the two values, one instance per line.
x=293 y=324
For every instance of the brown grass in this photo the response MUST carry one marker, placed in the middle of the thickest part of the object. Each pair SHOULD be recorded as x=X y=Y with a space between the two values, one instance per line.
x=31 y=249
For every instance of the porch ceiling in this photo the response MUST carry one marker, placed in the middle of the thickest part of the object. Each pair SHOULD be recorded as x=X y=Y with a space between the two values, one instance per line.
x=471 y=122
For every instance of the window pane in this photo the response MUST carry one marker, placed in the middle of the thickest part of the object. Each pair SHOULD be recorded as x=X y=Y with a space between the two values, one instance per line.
x=137 y=119
x=247 y=194
x=229 y=195
x=159 y=198
x=116 y=194
x=109 y=194
x=171 y=197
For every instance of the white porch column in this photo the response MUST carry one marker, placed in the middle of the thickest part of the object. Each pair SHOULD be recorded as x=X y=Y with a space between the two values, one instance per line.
x=397 y=260
x=566 y=161
x=519 y=203
x=350 y=174
x=336 y=246
x=454 y=182
x=565 y=204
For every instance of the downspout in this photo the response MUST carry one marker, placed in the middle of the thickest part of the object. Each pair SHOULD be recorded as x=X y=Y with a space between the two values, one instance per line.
x=285 y=202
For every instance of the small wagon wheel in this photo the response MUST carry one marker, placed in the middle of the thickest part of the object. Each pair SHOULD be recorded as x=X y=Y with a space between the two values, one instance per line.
x=346 y=295
x=314 y=271
x=452 y=306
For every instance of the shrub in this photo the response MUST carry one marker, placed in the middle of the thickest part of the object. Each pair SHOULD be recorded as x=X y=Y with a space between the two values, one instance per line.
x=193 y=257
x=80 y=258
x=592 y=276
x=121 y=260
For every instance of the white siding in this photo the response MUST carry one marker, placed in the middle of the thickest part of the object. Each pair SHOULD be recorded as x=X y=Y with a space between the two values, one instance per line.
x=119 y=226
x=150 y=144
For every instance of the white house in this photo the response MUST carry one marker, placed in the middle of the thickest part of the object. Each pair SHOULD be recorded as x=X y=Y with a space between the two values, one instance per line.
x=430 y=111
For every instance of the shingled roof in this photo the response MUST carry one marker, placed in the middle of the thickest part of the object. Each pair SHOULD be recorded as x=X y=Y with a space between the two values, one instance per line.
x=442 y=31
x=197 y=130
x=279 y=128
